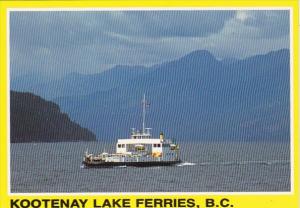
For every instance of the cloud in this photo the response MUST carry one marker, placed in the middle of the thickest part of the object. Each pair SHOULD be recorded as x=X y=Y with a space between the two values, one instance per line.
x=261 y=23
x=172 y=23
x=59 y=42
x=63 y=28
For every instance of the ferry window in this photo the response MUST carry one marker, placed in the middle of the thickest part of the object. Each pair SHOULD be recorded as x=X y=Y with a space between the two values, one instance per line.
x=154 y=145
x=158 y=145
x=119 y=145
x=123 y=145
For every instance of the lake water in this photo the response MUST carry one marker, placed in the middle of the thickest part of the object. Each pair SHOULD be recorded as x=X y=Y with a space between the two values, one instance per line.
x=207 y=167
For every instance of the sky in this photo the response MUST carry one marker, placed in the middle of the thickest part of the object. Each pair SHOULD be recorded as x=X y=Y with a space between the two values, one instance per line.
x=55 y=43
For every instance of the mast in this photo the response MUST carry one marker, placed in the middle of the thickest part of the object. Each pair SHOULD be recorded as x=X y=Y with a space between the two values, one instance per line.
x=144 y=112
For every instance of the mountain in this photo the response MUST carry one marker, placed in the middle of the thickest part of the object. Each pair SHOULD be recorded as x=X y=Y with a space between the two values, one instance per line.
x=34 y=119
x=27 y=81
x=76 y=84
x=195 y=97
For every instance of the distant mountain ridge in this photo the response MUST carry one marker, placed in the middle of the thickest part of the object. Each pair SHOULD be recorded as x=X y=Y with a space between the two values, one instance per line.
x=75 y=84
x=34 y=119
x=195 y=97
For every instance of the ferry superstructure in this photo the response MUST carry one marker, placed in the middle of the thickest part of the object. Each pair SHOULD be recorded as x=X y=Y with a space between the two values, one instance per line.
x=140 y=150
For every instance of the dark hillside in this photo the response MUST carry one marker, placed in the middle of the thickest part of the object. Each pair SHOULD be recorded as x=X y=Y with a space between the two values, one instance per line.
x=34 y=119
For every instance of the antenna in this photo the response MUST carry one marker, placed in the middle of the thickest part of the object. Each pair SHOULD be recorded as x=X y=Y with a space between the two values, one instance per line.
x=145 y=104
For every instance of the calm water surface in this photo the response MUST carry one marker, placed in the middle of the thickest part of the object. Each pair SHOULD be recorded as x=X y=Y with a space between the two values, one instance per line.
x=207 y=167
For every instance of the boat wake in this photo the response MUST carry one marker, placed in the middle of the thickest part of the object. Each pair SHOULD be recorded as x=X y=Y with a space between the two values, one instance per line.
x=121 y=166
x=248 y=162
x=186 y=164
x=268 y=162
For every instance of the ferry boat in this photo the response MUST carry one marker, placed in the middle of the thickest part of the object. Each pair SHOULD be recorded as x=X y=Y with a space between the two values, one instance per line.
x=140 y=150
